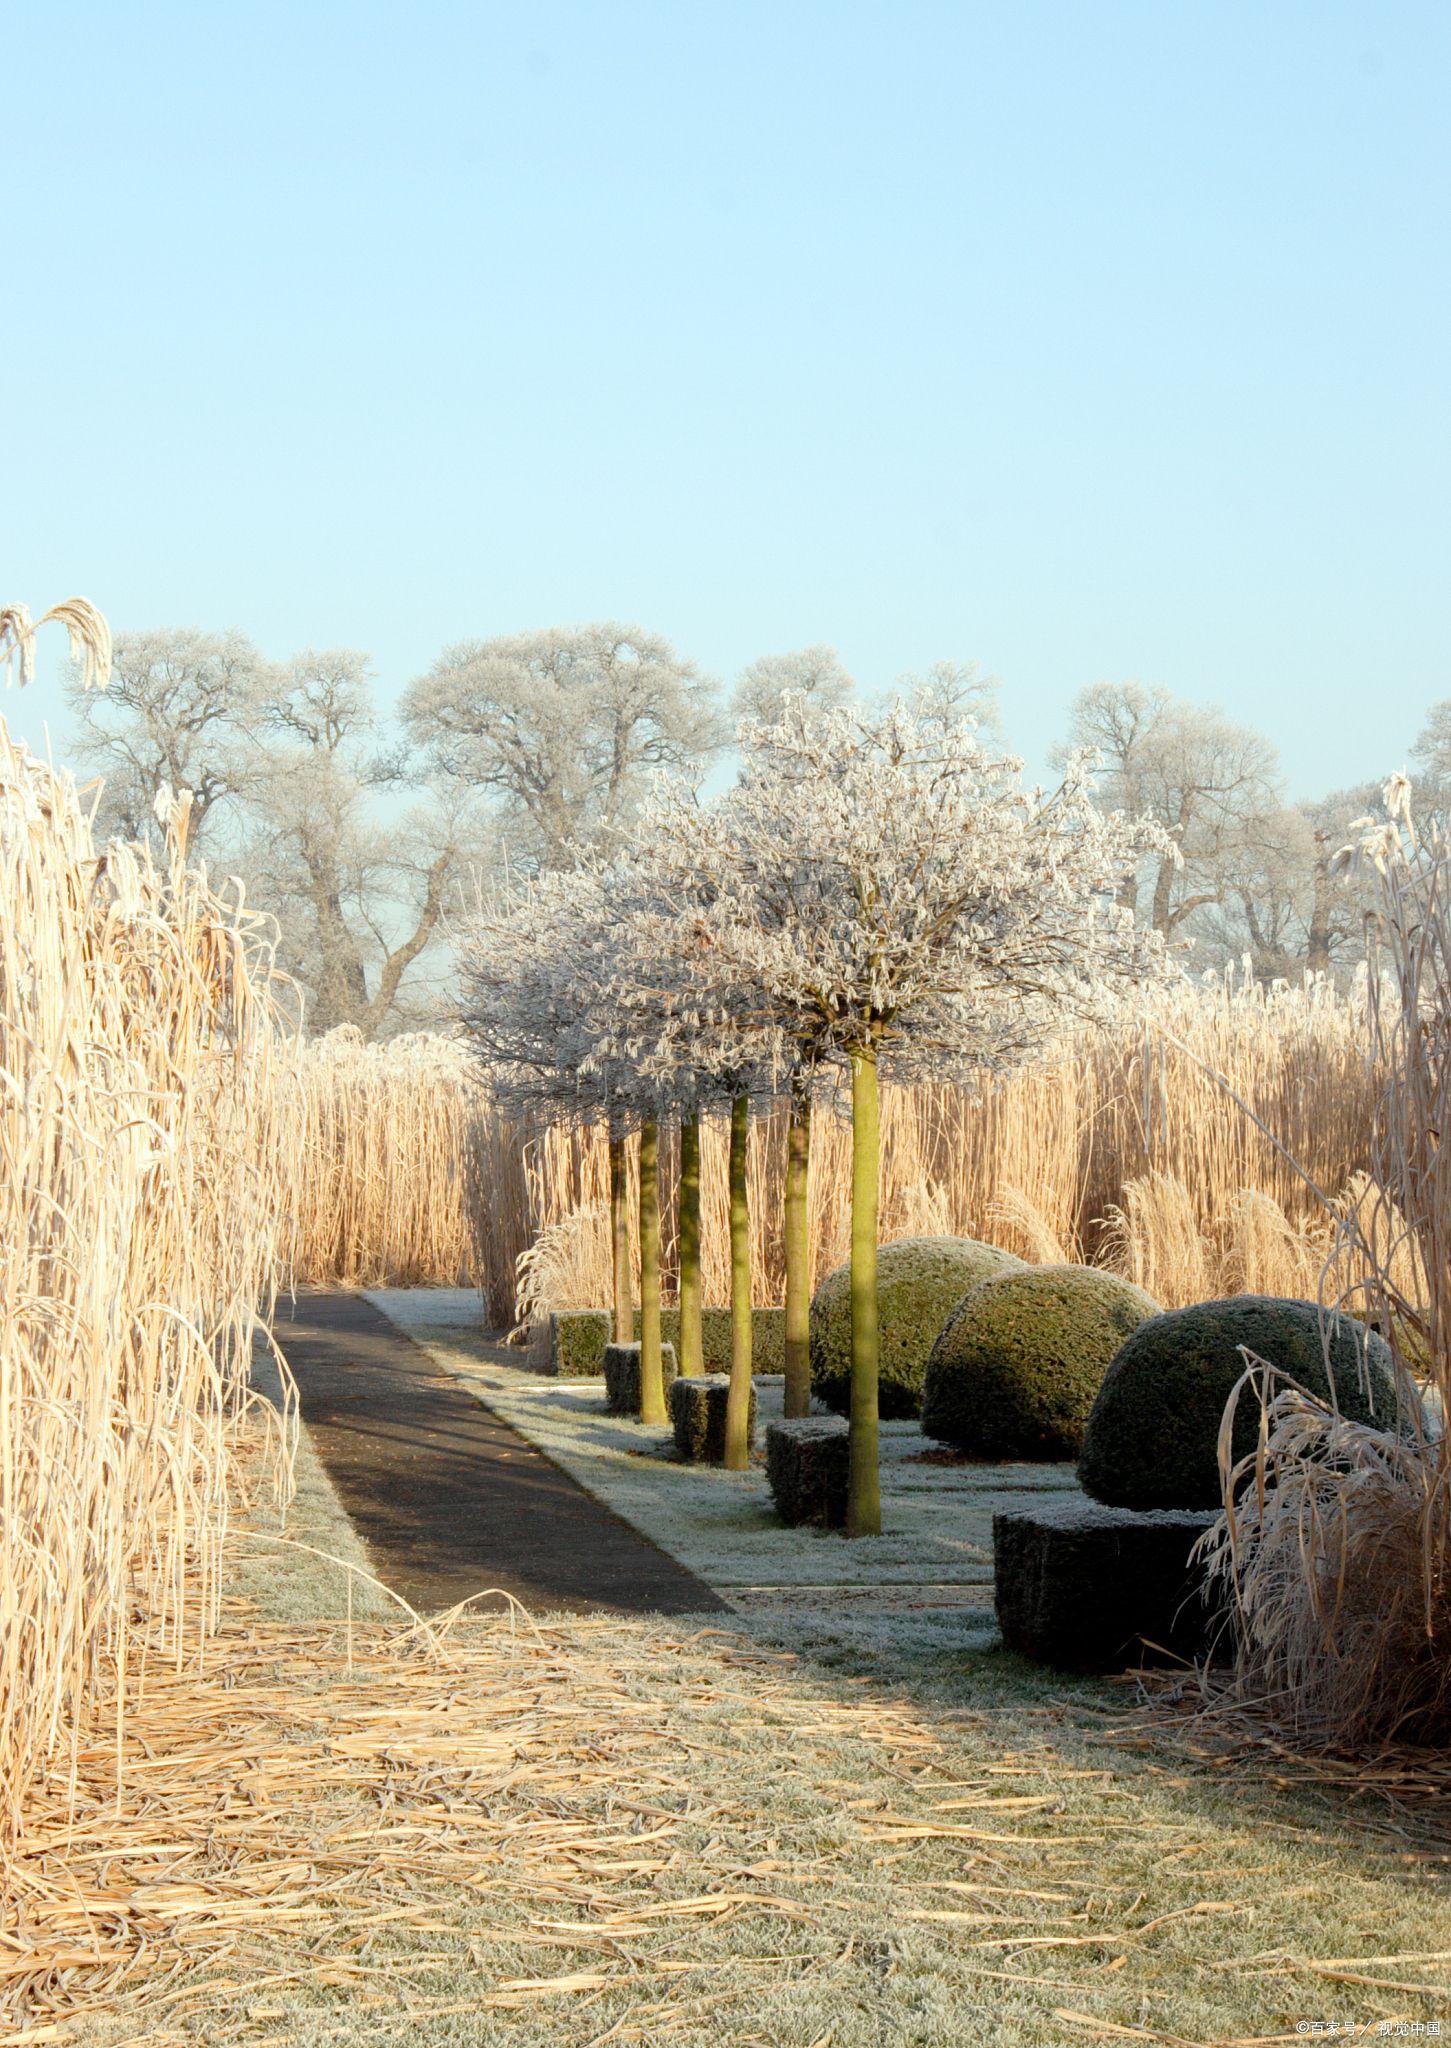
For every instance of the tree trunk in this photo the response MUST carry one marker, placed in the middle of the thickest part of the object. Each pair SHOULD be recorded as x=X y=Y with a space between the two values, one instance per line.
x=864 y=1500
x=620 y=1239
x=397 y=962
x=738 y=1401
x=652 y=1378
x=692 y=1351
x=798 y=1255
x=1317 y=949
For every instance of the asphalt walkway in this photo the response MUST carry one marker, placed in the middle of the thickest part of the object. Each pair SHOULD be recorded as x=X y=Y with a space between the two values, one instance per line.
x=448 y=1499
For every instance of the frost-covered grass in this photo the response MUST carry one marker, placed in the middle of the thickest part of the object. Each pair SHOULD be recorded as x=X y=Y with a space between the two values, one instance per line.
x=273 y=1556
x=903 y=1835
x=936 y=1519
x=696 y=1842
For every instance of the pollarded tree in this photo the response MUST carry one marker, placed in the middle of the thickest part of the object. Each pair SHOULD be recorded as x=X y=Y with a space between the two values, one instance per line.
x=695 y=1046
x=539 y=970
x=885 y=891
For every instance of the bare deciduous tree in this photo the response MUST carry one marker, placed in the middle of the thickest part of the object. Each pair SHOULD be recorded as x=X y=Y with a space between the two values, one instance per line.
x=1288 y=904
x=1208 y=782
x=180 y=710
x=954 y=690
x=814 y=674
x=349 y=894
x=563 y=727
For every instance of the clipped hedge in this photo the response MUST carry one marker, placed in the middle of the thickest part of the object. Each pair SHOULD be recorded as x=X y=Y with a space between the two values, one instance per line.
x=920 y=1281
x=1092 y=1588
x=571 y=1342
x=698 y=1416
x=622 y=1376
x=1015 y=1372
x=808 y=1469
x=1152 y=1438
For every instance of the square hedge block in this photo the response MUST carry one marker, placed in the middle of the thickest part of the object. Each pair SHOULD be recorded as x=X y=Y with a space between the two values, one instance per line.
x=808 y=1465
x=1090 y=1588
x=622 y=1376
x=698 y=1413
x=570 y=1342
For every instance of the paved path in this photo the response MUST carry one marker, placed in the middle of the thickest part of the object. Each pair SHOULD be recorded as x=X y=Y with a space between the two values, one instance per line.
x=449 y=1499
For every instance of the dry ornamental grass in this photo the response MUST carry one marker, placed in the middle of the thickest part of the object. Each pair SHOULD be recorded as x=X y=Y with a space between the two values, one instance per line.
x=1122 y=1149
x=139 y=1190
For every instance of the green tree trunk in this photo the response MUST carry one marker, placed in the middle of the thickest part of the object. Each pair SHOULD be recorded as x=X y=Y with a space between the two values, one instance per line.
x=738 y=1400
x=692 y=1350
x=620 y=1240
x=652 y=1379
x=798 y=1254
x=864 y=1499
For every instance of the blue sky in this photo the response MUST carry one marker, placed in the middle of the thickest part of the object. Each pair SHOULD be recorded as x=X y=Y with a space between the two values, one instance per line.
x=1092 y=341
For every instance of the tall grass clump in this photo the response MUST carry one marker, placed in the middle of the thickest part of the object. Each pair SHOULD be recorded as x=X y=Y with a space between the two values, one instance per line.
x=140 y=1183
x=1336 y=1540
x=379 y=1139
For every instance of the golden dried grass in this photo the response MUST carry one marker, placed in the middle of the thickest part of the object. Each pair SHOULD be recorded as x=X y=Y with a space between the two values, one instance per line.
x=377 y=1138
x=139 y=1187
x=1121 y=1147
x=1334 y=1547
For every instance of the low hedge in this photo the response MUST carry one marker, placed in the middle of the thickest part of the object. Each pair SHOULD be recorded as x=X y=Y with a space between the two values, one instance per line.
x=571 y=1342
x=1152 y=1438
x=698 y=1416
x=1090 y=1588
x=920 y=1281
x=808 y=1464
x=622 y=1376
x=1015 y=1372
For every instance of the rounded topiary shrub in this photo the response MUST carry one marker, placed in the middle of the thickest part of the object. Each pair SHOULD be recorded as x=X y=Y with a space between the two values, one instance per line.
x=1014 y=1373
x=920 y=1281
x=1152 y=1439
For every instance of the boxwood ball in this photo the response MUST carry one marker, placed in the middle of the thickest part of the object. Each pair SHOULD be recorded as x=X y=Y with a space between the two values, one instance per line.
x=920 y=1281
x=1015 y=1372
x=1152 y=1439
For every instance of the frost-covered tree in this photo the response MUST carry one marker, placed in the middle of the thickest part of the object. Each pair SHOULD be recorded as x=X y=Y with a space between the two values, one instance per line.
x=355 y=898
x=700 y=1045
x=563 y=727
x=883 y=891
x=815 y=676
x=1209 y=782
x=953 y=690
x=180 y=712
x=540 y=968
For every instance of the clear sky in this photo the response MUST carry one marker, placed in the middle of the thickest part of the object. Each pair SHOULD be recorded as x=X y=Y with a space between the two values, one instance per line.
x=1092 y=341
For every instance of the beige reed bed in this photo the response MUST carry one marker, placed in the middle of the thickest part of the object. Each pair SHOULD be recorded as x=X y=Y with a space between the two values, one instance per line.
x=139 y=1191
x=1123 y=1148
x=377 y=1140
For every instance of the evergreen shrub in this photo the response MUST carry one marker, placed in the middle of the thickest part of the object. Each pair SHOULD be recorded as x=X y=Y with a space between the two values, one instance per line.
x=571 y=1341
x=622 y=1376
x=698 y=1417
x=1152 y=1438
x=920 y=1281
x=1015 y=1372
x=807 y=1466
x=1092 y=1588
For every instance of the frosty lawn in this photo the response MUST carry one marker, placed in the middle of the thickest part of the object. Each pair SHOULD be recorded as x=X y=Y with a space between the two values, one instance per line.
x=930 y=1569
